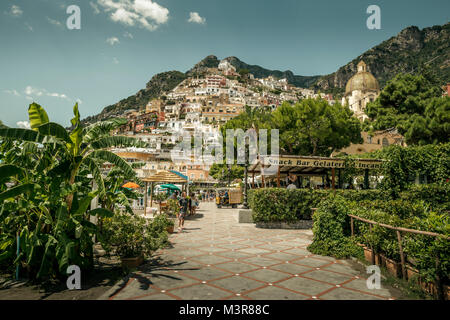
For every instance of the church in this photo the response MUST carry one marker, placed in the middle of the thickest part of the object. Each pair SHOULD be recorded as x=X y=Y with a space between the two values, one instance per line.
x=361 y=89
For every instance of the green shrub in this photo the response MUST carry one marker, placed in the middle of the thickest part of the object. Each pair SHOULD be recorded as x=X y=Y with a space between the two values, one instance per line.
x=331 y=229
x=435 y=196
x=283 y=205
x=132 y=236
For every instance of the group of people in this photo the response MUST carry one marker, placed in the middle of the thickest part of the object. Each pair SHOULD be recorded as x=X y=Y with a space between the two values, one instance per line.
x=187 y=206
x=207 y=195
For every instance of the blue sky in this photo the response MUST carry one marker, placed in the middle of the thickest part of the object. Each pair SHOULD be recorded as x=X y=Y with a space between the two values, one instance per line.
x=123 y=43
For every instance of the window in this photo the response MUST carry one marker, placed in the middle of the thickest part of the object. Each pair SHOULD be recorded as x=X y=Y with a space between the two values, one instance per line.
x=385 y=142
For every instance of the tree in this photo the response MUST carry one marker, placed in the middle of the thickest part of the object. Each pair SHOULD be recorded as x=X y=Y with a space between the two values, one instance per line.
x=412 y=104
x=224 y=173
x=46 y=187
x=314 y=127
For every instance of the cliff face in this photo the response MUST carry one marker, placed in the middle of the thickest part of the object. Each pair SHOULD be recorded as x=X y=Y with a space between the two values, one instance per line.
x=409 y=51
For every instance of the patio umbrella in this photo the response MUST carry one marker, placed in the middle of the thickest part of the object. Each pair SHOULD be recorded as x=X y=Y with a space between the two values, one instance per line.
x=131 y=185
x=170 y=186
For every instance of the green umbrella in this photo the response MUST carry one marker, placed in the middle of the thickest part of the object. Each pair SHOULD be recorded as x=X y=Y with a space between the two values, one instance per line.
x=170 y=186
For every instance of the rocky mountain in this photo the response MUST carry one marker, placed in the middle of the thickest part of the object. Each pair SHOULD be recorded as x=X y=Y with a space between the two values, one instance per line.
x=158 y=85
x=408 y=52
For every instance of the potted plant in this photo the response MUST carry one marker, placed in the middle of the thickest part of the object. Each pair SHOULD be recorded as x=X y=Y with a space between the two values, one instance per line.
x=160 y=197
x=171 y=211
x=132 y=237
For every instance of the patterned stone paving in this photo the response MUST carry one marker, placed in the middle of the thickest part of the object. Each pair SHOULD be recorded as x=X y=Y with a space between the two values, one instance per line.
x=218 y=258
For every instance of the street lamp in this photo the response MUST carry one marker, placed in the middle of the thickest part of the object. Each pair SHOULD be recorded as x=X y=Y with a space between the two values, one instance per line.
x=245 y=204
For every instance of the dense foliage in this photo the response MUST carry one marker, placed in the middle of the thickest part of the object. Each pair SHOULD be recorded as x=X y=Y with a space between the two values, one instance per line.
x=283 y=205
x=48 y=178
x=430 y=163
x=314 y=127
x=131 y=236
x=331 y=229
x=415 y=106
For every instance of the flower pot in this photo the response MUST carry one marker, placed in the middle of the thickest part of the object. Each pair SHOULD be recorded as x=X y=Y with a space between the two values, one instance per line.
x=132 y=262
x=368 y=253
x=392 y=266
x=170 y=229
x=412 y=273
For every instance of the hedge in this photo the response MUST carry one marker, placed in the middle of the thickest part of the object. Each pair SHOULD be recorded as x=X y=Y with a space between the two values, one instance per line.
x=283 y=205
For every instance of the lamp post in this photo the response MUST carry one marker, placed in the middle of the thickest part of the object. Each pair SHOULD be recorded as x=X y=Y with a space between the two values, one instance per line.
x=245 y=204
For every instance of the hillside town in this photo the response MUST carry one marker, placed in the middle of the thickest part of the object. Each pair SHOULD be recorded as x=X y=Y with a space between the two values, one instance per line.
x=201 y=104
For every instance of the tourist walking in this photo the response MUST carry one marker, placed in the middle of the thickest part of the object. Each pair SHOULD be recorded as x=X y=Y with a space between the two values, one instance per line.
x=183 y=204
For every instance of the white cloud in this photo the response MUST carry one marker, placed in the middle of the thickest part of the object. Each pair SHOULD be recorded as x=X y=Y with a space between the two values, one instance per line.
x=54 y=22
x=79 y=101
x=13 y=92
x=115 y=60
x=152 y=10
x=143 y=13
x=128 y=35
x=36 y=92
x=23 y=124
x=30 y=28
x=94 y=7
x=15 y=11
x=112 y=41
x=30 y=91
x=194 y=17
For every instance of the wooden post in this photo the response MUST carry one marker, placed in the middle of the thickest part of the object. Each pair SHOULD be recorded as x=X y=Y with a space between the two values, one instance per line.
x=263 y=182
x=278 y=177
x=333 y=178
x=366 y=178
x=151 y=194
x=402 y=256
x=371 y=247
x=253 y=179
x=145 y=198
x=351 y=226
x=340 y=178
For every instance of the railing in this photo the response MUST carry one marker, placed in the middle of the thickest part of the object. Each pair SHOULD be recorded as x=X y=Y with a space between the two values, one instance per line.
x=398 y=230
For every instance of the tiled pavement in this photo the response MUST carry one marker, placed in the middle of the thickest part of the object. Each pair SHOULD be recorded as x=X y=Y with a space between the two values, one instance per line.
x=218 y=258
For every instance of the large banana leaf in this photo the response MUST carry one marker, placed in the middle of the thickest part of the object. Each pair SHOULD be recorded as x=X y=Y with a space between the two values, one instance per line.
x=15 y=191
x=114 y=159
x=76 y=135
x=9 y=170
x=37 y=115
x=20 y=134
x=55 y=130
x=98 y=129
x=96 y=173
x=101 y=213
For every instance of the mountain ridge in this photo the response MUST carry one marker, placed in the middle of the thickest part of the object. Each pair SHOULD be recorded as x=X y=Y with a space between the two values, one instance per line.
x=407 y=51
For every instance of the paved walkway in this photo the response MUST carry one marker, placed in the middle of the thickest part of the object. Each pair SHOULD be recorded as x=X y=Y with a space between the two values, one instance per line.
x=218 y=258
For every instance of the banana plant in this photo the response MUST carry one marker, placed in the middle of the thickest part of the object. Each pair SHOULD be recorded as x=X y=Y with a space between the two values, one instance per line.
x=81 y=146
x=46 y=190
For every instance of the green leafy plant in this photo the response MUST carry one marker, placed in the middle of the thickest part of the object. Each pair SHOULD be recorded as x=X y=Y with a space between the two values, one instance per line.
x=132 y=236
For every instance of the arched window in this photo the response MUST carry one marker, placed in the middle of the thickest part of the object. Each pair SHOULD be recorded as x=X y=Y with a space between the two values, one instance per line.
x=385 y=142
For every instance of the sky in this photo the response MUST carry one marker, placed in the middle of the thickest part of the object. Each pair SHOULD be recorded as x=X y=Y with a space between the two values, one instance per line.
x=121 y=44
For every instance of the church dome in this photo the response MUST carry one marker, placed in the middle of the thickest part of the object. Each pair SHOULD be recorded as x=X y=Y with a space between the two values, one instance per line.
x=362 y=80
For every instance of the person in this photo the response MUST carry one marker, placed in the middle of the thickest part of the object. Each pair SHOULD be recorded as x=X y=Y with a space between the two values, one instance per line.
x=194 y=204
x=291 y=186
x=183 y=203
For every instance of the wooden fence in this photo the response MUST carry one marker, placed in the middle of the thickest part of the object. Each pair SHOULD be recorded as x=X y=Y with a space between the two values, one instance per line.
x=398 y=231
